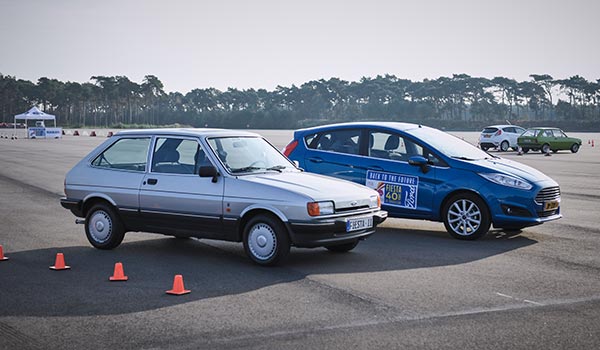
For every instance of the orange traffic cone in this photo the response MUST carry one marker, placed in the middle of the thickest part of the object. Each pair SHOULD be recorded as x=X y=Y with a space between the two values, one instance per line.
x=59 y=264
x=592 y=143
x=2 y=257
x=178 y=288
x=75 y=133
x=93 y=133
x=110 y=133
x=118 y=275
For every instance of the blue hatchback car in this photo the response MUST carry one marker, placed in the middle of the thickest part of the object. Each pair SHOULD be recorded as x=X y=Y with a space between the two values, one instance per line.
x=425 y=173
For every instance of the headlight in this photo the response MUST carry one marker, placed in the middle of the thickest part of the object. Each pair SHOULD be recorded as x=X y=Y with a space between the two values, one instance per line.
x=320 y=208
x=375 y=202
x=507 y=180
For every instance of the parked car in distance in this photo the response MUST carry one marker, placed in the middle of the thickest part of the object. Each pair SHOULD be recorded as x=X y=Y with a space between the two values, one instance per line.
x=501 y=137
x=548 y=139
x=424 y=173
x=219 y=184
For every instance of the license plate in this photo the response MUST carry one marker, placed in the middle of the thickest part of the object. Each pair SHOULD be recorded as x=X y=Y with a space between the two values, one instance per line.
x=551 y=205
x=359 y=224
x=488 y=136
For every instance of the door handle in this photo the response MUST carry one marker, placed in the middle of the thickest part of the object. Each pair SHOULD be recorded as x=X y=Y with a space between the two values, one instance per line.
x=152 y=181
x=316 y=160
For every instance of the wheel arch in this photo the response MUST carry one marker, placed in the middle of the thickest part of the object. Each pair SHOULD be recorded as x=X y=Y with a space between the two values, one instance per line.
x=93 y=199
x=252 y=212
x=461 y=191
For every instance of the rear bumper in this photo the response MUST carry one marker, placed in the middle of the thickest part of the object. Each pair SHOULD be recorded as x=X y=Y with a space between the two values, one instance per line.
x=327 y=232
x=488 y=144
x=74 y=205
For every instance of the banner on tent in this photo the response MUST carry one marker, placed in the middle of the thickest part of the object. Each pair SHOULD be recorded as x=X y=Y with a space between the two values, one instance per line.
x=44 y=133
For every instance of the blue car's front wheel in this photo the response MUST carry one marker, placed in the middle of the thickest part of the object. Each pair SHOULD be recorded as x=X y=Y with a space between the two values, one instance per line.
x=466 y=216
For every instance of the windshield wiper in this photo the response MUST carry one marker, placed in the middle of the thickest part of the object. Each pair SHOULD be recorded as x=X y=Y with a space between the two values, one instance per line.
x=277 y=167
x=462 y=158
x=244 y=169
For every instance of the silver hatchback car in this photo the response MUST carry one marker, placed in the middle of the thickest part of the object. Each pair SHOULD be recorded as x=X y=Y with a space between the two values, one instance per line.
x=218 y=184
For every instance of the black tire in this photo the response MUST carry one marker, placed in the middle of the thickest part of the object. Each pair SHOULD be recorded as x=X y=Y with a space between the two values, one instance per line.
x=545 y=148
x=466 y=208
x=525 y=150
x=484 y=148
x=504 y=146
x=342 y=248
x=554 y=150
x=266 y=240
x=574 y=148
x=103 y=227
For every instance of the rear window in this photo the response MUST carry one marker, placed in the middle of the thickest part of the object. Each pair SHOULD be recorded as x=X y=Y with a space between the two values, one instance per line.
x=125 y=154
x=340 y=141
x=489 y=130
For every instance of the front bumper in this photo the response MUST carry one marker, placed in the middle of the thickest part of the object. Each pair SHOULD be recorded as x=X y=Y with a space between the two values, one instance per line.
x=333 y=231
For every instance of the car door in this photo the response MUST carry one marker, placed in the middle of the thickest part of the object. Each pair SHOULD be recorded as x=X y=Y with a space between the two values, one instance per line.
x=336 y=153
x=561 y=141
x=119 y=171
x=405 y=190
x=174 y=199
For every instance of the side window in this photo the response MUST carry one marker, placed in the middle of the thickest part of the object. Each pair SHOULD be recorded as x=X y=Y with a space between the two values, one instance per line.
x=520 y=130
x=125 y=154
x=530 y=132
x=509 y=129
x=177 y=156
x=547 y=133
x=558 y=133
x=341 y=141
x=392 y=146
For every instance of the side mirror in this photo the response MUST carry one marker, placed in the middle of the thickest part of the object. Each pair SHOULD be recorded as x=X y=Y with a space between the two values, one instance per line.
x=421 y=162
x=209 y=171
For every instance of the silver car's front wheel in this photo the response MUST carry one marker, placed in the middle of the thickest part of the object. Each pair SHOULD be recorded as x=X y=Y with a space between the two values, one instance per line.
x=103 y=227
x=466 y=216
x=266 y=241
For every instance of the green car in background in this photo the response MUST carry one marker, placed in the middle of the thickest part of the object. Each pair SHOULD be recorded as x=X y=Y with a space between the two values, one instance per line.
x=547 y=139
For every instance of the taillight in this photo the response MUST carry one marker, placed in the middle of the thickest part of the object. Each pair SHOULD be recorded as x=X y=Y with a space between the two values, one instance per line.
x=290 y=148
x=499 y=132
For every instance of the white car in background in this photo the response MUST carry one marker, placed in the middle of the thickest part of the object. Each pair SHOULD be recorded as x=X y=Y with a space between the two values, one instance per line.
x=501 y=137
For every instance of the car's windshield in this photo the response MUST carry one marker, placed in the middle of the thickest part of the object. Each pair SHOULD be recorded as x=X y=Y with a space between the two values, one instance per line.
x=249 y=154
x=447 y=144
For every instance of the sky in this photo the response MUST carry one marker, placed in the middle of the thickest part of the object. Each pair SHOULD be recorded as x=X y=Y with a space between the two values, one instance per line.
x=265 y=43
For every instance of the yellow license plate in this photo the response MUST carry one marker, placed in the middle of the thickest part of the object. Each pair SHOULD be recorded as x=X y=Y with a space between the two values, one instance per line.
x=551 y=205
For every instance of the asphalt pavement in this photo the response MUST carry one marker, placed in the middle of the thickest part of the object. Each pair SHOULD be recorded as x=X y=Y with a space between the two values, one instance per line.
x=408 y=286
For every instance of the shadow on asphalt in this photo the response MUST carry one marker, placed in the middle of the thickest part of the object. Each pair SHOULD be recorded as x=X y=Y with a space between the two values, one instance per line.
x=30 y=288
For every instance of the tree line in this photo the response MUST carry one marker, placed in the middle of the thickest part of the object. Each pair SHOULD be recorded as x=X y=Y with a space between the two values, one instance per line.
x=458 y=102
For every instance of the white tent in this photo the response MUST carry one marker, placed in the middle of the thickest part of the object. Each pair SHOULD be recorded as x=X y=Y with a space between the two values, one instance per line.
x=34 y=114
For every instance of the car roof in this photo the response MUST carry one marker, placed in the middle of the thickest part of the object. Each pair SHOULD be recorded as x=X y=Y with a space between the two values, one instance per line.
x=193 y=132
x=393 y=125
x=543 y=128
x=502 y=126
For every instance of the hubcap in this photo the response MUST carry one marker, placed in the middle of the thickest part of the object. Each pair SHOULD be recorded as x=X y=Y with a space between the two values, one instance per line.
x=464 y=217
x=100 y=226
x=262 y=241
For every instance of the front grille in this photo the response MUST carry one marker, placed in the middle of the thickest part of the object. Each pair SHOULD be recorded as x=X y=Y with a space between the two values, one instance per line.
x=343 y=210
x=548 y=194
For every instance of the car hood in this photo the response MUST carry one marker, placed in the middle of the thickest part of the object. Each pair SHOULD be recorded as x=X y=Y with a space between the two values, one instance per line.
x=316 y=186
x=510 y=167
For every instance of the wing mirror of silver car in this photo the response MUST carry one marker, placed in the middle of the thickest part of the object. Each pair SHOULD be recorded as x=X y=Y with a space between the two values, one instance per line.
x=421 y=162
x=209 y=171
